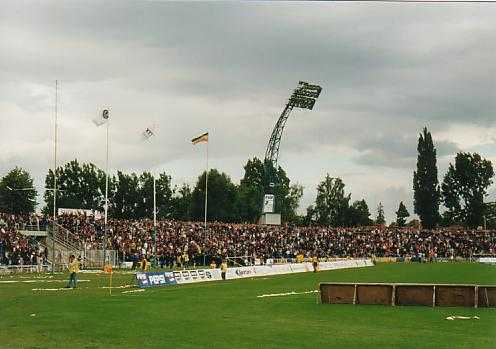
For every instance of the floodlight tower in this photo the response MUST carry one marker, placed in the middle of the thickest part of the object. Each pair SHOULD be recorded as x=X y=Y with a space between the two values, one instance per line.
x=304 y=97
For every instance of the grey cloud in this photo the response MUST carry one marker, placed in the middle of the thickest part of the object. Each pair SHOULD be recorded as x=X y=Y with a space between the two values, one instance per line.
x=396 y=151
x=229 y=67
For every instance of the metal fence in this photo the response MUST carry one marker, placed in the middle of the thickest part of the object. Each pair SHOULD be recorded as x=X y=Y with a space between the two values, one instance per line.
x=19 y=269
x=96 y=258
x=61 y=243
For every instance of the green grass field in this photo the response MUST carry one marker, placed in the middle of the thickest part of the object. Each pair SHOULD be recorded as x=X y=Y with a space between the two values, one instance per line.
x=229 y=314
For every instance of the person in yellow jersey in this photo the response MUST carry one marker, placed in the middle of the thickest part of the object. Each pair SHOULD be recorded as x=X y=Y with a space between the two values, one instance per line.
x=179 y=262
x=213 y=265
x=315 y=263
x=143 y=263
x=223 y=269
x=185 y=258
x=73 y=269
x=300 y=258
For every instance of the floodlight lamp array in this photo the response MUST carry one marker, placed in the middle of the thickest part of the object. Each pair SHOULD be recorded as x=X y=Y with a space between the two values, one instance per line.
x=305 y=95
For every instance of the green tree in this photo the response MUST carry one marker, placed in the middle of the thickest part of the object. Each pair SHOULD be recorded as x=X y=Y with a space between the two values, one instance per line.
x=165 y=192
x=292 y=201
x=126 y=197
x=163 y=196
x=221 y=198
x=181 y=203
x=490 y=215
x=380 y=220
x=331 y=204
x=251 y=191
x=358 y=214
x=425 y=183
x=311 y=215
x=78 y=186
x=286 y=196
x=401 y=215
x=144 y=202
x=257 y=182
x=464 y=187
x=17 y=194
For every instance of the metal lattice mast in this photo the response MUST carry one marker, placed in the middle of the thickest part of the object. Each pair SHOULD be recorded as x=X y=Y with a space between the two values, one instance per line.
x=272 y=152
x=304 y=97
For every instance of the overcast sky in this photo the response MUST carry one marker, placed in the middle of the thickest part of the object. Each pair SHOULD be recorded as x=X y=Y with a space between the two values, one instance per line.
x=387 y=70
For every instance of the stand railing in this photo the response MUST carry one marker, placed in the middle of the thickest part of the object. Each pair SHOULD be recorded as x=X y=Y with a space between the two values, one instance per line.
x=61 y=243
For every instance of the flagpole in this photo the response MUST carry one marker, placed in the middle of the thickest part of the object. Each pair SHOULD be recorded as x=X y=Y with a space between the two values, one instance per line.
x=200 y=139
x=54 y=176
x=106 y=195
x=154 y=202
x=155 y=218
x=206 y=191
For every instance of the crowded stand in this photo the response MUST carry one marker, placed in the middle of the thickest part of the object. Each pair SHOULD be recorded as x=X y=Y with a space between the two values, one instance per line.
x=188 y=243
x=18 y=249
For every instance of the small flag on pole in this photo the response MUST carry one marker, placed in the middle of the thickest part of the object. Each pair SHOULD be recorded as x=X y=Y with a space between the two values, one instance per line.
x=200 y=139
x=149 y=132
x=102 y=119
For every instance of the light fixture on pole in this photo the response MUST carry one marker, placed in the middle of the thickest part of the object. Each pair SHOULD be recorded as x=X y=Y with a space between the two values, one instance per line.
x=303 y=97
x=54 y=223
x=104 y=119
x=147 y=134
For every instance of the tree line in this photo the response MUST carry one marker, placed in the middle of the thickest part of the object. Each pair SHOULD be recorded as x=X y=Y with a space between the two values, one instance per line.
x=130 y=195
x=462 y=191
x=82 y=186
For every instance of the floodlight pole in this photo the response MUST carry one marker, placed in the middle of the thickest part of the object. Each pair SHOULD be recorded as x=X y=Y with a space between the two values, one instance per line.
x=272 y=151
x=54 y=221
x=155 y=219
x=304 y=97
x=206 y=203
x=106 y=194
x=206 y=191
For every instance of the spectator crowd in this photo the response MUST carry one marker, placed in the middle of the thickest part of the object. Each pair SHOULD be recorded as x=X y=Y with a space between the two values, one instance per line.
x=189 y=242
x=17 y=249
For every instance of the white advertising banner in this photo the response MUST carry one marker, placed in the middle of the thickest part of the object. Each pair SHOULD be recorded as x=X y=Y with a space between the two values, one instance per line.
x=279 y=269
x=75 y=211
x=301 y=267
x=203 y=275
x=79 y=212
x=490 y=260
x=198 y=275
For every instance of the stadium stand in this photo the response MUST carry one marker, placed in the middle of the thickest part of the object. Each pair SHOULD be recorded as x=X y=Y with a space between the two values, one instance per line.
x=187 y=243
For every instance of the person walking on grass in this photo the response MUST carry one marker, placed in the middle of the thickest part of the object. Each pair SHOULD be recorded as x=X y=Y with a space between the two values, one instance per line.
x=223 y=269
x=73 y=269
x=315 y=263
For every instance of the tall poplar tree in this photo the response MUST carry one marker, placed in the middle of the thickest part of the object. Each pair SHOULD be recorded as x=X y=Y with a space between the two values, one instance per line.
x=426 y=194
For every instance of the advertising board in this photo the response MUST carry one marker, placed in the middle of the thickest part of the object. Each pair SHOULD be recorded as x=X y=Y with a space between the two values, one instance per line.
x=155 y=279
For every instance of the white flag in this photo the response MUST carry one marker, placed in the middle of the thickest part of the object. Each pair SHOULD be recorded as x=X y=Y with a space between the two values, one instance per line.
x=102 y=119
x=149 y=132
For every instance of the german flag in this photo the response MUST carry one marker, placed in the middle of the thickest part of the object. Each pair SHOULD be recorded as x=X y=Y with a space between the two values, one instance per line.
x=200 y=139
